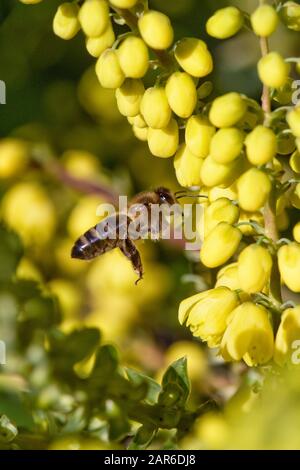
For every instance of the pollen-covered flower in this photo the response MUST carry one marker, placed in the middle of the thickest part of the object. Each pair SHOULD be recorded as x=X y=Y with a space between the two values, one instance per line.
x=207 y=313
x=248 y=336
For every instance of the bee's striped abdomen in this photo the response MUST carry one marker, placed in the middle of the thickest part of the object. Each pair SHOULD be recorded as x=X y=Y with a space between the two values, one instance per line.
x=91 y=244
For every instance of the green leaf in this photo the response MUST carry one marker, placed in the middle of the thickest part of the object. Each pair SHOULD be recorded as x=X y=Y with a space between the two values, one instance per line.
x=11 y=251
x=137 y=378
x=143 y=437
x=67 y=350
x=105 y=366
x=175 y=384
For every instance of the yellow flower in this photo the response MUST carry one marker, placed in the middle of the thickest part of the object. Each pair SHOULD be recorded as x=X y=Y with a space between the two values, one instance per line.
x=137 y=121
x=182 y=94
x=261 y=145
x=194 y=57
x=108 y=70
x=156 y=30
x=220 y=245
x=198 y=135
x=141 y=133
x=246 y=217
x=123 y=3
x=187 y=167
x=65 y=22
x=81 y=164
x=221 y=210
x=293 y=119
x=225 y=23
x=296 y=232
x=290 y=14
x=207 y=314
x=227 y=110
x=95 y=46
x=94 y=17
x=226 y=145
x=249 y=335
x=254 y=187
x=216 y=174
x=295 y=161
x=288 y=332
x=133 y=57
x=155 y=108
x=228 y=277
x=289 y=265
x=264 y=20
x=273 y=70
x=14 y=157
x=164 y=142
x=129 y=97
x=219 y=191
x=254 y=268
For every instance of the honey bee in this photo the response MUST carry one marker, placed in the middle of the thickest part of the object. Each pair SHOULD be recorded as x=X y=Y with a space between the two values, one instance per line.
x=96 y=241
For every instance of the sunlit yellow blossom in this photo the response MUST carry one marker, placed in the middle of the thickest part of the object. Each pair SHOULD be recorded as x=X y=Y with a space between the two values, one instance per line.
x=207 y=315
x=249 y=335
x=155 y=108
x=108 y=70
x=264 y=20
x=215 y=174
x=273 y=70
x=221 y=210
x=187 y=167
x=226 y=145
x=133 y=57
x=129 y=97
x=225 y=22
x=181 y=93
x=94 y=17
x=254 y=187
x=194 y=57
x=95 y=46
x=198 y=135
x=65 y=22
x=220 y=245
x=164 y=142
x=289 y=265
x=261 y=145
x=156 y=29
x=227 y=110
x=254 y=268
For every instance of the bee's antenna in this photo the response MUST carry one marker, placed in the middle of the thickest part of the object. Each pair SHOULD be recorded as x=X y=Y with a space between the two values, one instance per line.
x=192 y=196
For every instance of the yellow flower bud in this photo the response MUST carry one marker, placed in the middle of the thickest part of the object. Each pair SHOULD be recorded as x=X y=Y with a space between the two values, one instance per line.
x=133 y=57
x=137 y=121
x=164 y=142
x=228 y=277
x=225 y=23
x=156 y=30
x=294 y=197
x=207 y=314
x=26 y=208
x=290 y=15
x=254 y=268
x=227 y=110
x=215 y=174
x=81 y=164
x=194 y=57
x=249 y=335
x=129 y=97
x=226 y=145
x=108 y=70
x=123 y=3
x=273 y=70
x=246 y=217
x=289 y=265
x=198 y=135
x=296 y=232
x=141 y=133
x=94 y=17
x=261 y=145
x=65 y=22
x=95 y=46
x=254 y=187
x=293 y=119
x=155 y=108
x=216 y=192
x=220 y=245
x=264 y=20
x=182 y=94
x=221 y=210
x=187 y=167
x=14 y=157
x=288 y=332
x=295 y=161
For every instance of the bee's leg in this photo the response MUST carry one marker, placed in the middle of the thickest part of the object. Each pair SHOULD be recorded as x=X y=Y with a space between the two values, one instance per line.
x=131 y=252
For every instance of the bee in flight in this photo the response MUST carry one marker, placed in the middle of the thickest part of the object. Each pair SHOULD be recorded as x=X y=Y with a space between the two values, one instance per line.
x=95 y=241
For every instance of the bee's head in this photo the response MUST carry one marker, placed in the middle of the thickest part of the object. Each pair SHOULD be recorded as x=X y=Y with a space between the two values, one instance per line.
x=165 y=196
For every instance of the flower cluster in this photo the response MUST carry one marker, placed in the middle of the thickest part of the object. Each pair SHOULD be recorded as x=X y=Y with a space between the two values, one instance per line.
x=244 y=156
